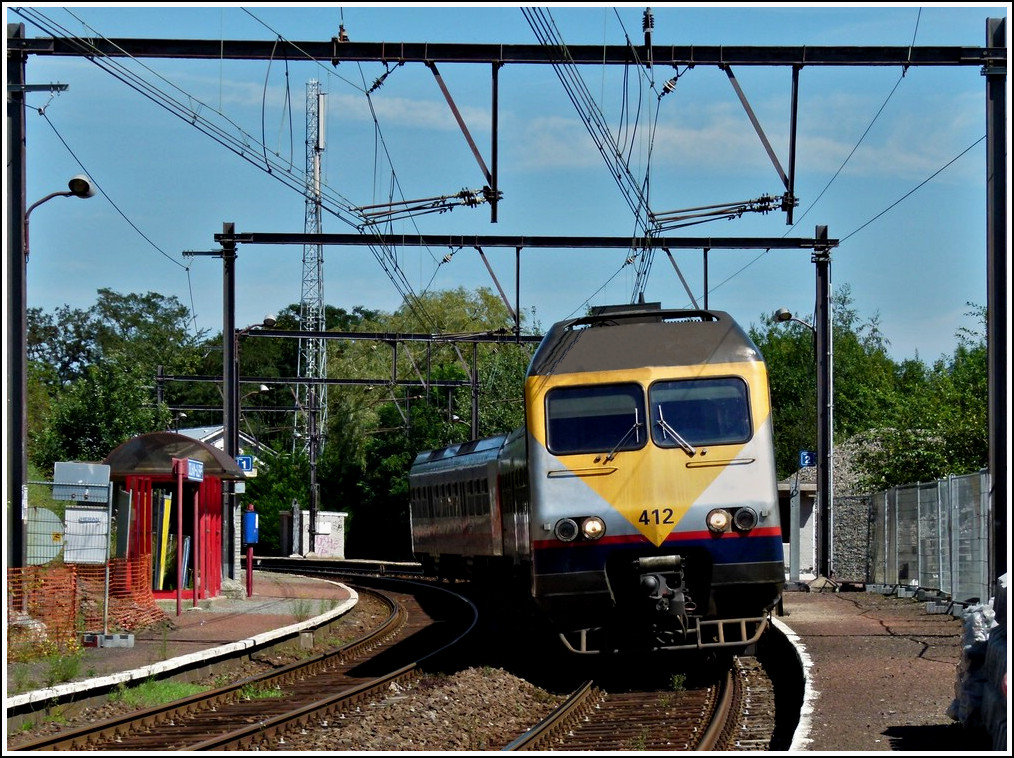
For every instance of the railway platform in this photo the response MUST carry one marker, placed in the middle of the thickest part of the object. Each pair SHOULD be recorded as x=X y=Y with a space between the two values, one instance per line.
x=881 y=670
x=276 y=605
x=884 y=671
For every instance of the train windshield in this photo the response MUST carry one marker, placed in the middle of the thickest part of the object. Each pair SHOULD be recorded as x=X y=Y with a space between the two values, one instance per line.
x=699 y=412
x=604 y=418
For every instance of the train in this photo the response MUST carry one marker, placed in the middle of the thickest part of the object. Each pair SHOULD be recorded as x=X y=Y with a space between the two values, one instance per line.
x=637 y=506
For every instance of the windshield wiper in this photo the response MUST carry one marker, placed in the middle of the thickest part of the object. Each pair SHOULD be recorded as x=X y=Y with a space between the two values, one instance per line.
x=667 y=429
x=636 y=425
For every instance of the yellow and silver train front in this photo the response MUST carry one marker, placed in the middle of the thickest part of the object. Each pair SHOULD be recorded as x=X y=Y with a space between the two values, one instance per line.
x=653 y=514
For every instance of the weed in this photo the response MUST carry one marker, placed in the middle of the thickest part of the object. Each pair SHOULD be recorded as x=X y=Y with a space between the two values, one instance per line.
x=302 y=609
x=56 y=715
x=62 y=668
x=640 y=742
x=678 y=683
x=336 y=640
x=328 y=604
x=22 y=678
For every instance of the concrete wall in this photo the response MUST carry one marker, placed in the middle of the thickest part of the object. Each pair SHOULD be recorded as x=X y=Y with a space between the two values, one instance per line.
x=329 y=539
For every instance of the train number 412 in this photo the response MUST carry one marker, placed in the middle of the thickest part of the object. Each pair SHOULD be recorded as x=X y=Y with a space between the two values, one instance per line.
x=656 y=516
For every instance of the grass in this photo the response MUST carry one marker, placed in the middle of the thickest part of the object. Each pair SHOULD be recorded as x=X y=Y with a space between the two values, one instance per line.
x=152 y=692
x=259 y=692
x=303 y=608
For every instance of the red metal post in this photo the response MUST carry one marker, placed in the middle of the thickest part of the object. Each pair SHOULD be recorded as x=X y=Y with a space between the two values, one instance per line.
x=197 y=540
x=179 y=467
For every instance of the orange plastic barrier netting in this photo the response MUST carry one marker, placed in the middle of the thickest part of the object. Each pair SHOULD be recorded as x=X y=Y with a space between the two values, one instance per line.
x=50 y=606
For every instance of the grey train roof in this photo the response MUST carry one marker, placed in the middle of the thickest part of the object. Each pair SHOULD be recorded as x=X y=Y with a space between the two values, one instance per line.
x=651 y=336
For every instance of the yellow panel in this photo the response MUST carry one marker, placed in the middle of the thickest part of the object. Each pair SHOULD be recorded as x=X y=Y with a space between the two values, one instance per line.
x=653 y=483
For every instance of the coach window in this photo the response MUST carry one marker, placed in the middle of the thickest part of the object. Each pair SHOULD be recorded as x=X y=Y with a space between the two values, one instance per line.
x=701 y=411
x=602 y=418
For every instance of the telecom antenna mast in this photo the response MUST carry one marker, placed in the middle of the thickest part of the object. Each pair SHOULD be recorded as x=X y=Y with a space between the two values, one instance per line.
x=311 y=415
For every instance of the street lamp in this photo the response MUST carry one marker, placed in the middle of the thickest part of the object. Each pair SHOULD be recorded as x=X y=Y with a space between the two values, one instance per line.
x=17 y=368
x=260 y=390
x=79 y=186
x=784 y=314
x=825 y=494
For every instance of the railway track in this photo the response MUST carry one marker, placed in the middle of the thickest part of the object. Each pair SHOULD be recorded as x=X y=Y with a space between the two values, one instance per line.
x=424 y=621
x=670 y=711
x=736 y=712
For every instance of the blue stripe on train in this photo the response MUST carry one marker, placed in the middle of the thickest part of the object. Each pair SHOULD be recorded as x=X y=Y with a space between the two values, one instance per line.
x=552 y=558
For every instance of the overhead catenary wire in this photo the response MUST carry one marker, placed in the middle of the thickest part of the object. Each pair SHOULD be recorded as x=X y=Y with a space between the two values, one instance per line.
x=145 y=237
x=829 y=184
x=841 y=168
x=241 y=143
x=412 y=301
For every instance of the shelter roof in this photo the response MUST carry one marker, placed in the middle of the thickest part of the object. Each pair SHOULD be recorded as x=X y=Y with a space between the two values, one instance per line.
x=152 y=455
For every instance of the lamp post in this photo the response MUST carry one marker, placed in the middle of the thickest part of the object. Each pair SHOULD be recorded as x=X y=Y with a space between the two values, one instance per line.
x=230 y=428
x=260 y=390
x=17 y=367
x=825 y=495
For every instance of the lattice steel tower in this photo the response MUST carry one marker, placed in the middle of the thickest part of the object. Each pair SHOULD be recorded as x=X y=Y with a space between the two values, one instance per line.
x=311 y=422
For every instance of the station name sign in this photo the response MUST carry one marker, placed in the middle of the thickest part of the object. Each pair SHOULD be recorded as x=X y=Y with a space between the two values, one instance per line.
x=192 y=469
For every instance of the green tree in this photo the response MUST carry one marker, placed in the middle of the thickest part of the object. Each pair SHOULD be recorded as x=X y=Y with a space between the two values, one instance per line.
x=918 y=422
x=63 y=342
x=92 y=373
x=280 y=482
x=107 y=405
x=384 y=425
x=864 y=385
x=942 y=426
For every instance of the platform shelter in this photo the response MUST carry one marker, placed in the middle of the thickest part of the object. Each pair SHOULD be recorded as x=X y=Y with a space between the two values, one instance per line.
x=177 y=516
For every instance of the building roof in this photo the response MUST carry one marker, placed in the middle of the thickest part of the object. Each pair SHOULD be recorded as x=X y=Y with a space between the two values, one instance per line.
x=214 y=436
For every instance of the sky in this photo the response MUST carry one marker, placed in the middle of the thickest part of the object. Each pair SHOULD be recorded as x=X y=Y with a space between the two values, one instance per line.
x=891 y=161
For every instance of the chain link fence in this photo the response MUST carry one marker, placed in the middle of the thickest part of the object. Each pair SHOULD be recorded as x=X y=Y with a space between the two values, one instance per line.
x=934 y=536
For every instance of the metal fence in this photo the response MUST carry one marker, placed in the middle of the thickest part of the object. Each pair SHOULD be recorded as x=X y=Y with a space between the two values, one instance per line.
x=77 y=578
x=933 y=535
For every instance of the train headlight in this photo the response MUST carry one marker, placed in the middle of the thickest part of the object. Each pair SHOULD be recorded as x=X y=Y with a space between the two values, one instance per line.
x=593 y=528
x=719 y=520
x=745 y=519
x=566 y=530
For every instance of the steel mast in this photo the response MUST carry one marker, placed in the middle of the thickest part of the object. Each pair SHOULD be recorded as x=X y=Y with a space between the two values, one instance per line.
x=311 y=416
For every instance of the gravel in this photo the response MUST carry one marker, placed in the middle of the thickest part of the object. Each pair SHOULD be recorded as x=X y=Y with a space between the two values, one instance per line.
x=472 y=709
